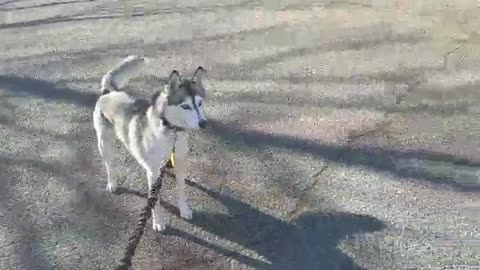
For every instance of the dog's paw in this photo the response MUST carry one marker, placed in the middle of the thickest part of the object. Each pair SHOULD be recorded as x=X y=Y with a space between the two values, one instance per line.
x=111 y=187
x=159 y=226
x=186 y=212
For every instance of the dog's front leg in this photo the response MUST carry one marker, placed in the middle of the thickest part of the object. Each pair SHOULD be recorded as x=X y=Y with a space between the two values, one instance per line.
x=159 y=219
x=180 y=169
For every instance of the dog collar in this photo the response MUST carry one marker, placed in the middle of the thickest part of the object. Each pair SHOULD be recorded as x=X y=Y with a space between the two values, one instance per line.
x=170 y=126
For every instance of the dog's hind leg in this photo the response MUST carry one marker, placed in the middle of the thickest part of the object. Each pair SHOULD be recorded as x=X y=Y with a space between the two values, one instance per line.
x=104 y=138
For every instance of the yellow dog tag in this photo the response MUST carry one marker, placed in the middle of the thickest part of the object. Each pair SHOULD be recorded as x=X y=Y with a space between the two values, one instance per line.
x=172 y=159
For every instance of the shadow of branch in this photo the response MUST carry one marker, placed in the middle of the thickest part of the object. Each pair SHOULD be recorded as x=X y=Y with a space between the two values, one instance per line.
x=370 y=157
x=44 y=5
x=18 y=86
x=309 y=242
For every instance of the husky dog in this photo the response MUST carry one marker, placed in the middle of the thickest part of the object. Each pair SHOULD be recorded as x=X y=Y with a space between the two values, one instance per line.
x=150 y=129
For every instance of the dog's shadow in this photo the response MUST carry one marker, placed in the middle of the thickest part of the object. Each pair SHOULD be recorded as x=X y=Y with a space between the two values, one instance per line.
x=308 y=242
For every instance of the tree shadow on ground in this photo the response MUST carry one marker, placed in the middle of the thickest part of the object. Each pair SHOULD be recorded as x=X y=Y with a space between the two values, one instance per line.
x=7 y=110
x=64 y=19
x=89 y=215
x=447 y=107
x=148 y=49
x=26 y=86
x=250 y=67
x=308 y=242
x=11 y=1
x=87 y=198
x=136 y=12
x=73 y=172
x=26 y=235
x=370 y=157
x=44 y=5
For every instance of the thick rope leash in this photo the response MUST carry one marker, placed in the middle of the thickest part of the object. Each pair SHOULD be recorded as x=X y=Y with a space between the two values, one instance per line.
x=126 y=261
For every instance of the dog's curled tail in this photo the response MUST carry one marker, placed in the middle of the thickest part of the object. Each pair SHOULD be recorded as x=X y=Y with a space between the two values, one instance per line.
x=118 y=77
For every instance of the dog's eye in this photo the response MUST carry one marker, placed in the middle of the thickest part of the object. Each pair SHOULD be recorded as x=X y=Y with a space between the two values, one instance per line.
x=186 y=107
x=200 y=104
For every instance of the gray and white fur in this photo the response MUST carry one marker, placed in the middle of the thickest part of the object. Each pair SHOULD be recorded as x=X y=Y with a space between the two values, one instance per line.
x=150 y=129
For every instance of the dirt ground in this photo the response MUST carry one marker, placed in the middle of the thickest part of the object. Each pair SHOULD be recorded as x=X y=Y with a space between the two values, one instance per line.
x=342 y=135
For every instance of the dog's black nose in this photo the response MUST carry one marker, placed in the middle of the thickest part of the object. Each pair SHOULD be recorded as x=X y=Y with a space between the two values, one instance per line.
x=202 y=123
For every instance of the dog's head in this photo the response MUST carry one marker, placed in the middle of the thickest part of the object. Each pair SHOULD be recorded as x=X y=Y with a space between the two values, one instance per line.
x=182 y=105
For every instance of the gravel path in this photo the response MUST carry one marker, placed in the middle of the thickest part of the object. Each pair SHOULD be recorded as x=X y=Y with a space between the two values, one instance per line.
x=343 y=134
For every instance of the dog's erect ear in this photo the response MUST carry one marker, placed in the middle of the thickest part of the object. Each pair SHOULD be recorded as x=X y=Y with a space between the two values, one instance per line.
x=174 y=81
x=198 y=76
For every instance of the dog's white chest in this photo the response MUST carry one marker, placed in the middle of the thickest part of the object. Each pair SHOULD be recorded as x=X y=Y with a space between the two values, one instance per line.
x=158 y=149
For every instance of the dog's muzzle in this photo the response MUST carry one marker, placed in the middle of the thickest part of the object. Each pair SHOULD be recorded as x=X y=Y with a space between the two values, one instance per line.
x=202 y=124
